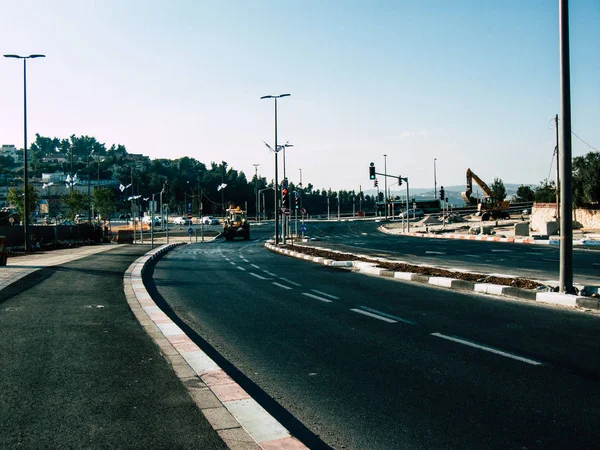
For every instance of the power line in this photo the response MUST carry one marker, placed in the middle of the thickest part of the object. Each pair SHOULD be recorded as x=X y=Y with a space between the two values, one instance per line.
x=590 y=146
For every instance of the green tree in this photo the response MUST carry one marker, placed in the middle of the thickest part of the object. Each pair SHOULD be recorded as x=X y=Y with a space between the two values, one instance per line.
x=586 y=179
x=104 y=202
x=15 y=197
x=524 y=194
x=498 y=189
x=76 y=202
x=545 y=192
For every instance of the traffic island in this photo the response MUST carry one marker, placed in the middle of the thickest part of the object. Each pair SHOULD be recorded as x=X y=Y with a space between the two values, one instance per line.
x=517 y=288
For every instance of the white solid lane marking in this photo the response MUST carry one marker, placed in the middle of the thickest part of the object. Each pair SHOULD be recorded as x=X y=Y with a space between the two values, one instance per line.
x=488 y=349
x=389 y=316
x=325 y=294
x=257 y=276
x=501 y=251
x=317 y=297
x=375 y=316
x=281 y=285
x=255 y=266
x=269 y=273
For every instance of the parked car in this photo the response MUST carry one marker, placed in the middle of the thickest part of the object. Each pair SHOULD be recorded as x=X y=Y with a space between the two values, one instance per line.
x=182 y=221
x=418 y=213
x=209 y=220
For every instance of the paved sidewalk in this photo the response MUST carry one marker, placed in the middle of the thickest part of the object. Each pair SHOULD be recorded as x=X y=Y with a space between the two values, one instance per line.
x=77 y=370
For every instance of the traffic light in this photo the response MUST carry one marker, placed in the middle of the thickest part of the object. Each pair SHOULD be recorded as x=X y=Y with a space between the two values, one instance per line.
x=376 y=183
x=372 y=171
x=399 y=181
x=167 y=188
x=285 y=198
x=442 y=196
x=297 y=200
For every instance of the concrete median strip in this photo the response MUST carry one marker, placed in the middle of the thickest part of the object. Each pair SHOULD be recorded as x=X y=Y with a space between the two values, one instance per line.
x=370 y=268
x=233 y=413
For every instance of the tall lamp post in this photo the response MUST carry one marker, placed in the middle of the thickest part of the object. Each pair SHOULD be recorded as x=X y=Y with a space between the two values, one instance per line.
x=256 y=188
x=276 y=188
x=25 y=173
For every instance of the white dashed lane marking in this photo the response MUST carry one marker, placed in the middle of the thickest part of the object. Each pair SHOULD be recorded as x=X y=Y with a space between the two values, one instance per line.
x=488 y=349
x=281 y=285
x=389 y=316
x=325 y=294
x=290 y=282
x=375 y=316
x=316 y=297
x=257 y=276
x=255 y=266
x=241 y=268
x=270 y=273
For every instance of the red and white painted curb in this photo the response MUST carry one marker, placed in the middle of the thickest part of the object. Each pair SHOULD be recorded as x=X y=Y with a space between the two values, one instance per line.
x=234 y=408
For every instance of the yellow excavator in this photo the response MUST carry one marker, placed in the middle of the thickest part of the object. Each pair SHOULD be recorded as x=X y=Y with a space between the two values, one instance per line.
x=490 y=207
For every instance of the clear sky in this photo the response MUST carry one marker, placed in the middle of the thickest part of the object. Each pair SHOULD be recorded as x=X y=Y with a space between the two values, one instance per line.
x=473 y=83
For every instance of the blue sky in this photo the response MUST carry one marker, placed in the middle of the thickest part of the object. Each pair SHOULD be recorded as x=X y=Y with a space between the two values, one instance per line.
x=471 y=83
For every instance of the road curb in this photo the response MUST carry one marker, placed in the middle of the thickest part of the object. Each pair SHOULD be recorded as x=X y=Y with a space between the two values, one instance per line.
x=370 y=268
x=240 y=421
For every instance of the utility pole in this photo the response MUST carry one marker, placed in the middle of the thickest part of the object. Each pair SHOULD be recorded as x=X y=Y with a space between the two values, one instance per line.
x=566 y=176
x=557 y=172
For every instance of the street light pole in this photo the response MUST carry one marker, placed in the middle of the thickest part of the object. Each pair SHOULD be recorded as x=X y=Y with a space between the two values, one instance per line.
x=25 y=173
x=256 y=188
x=276 y=148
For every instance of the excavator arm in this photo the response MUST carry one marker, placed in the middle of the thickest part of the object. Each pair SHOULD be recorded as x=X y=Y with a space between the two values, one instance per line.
x=467 y=194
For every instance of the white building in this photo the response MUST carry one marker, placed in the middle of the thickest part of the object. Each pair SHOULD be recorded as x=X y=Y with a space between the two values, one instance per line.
x=12 y=151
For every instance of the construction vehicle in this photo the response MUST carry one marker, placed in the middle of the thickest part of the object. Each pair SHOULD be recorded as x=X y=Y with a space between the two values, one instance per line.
x=236 y=224
x=490 y=207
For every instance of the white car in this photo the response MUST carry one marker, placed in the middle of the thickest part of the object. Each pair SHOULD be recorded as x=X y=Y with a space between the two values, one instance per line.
x=182 y=221
x=209 y=220
x=147 y=220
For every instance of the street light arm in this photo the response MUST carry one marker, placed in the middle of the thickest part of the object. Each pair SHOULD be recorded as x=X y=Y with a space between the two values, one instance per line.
x=12 y=56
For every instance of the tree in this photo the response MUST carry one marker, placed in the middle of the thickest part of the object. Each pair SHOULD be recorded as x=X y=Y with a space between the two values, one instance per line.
x=15 y=197
x=545 y=192
x=498 y=189
x=76 y=202
x=524 y=194
x=104 y=202
x=586 y=179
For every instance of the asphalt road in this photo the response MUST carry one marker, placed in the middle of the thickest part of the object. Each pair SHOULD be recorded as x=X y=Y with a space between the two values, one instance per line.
x=370 y=363
x=538 y=262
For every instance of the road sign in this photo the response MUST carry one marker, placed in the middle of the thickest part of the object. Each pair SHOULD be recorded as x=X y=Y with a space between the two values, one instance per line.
x=303 y=228
x=189 y=216
x=286 y=211
x=190 y=231
x=303 y=211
